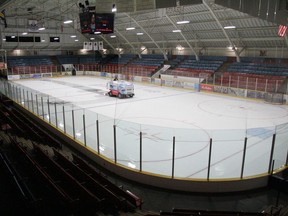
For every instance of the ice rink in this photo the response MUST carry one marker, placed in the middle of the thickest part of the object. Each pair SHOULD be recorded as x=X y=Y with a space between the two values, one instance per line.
x=187 y=115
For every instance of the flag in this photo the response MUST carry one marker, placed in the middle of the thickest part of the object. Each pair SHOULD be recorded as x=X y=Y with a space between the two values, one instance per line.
x=282 y=30
x=3 y=18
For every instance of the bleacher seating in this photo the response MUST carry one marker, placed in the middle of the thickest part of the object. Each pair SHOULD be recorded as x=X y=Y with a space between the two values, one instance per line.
x=258 y=82
x=255 y=74
x=67 y=59
x=30 y=64
x=259 y=68
x=90 y=59
x=14 y=61
x=190 y=67
x=130 y=64
x=79 y=59
x=74 y=183
x=192 y=212
x=149 y=60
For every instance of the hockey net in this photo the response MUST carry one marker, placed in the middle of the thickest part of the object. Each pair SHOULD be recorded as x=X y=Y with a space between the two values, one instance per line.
x=274 y=98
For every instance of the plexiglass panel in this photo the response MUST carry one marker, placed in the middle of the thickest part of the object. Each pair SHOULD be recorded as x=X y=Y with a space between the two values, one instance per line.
x=227 y=153
x=128 y=144
x=281 y=146
x=257 y=162
x=44 y=107
x=191 y=153
x=91 y=130
x=51 y=110
x=78 y=129
x=106 y=136
x=67 y=119
x=157 y=149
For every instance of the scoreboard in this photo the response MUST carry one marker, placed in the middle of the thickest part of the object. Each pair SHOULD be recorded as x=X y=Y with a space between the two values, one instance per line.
x=92 y=22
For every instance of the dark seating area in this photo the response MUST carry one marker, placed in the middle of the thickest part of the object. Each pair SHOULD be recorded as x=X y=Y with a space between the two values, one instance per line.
x=73 y=186
x=108 y=195
x=188 y=66
x=149 y=60
x=145 y=66
x=130 y=198
x=194 y=212
x=16 y=61
x=259 y=68
x=30 y=64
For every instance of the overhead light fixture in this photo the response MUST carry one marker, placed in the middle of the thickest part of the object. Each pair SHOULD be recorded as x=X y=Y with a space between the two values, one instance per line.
x=183 y=22
x=56 y=38
x=97 y=32
x=179 y=47
x=24 y=33
x=232 y=48
x=41 y=29
x=68 y=21
x=114 y=9
x=177 y=30
x=92 y=38
x=4 y=39
x=113 y=36
x=139 y=33
x=229 y=27
x=13 y=36
x=76 y=40
x=73 y=36
x=42 y=40
x=130 y=28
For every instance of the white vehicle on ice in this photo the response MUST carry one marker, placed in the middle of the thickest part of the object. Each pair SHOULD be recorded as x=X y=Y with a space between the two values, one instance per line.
x=120 y=89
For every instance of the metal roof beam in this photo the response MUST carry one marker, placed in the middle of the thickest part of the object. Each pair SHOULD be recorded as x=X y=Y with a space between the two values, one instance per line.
x=223 y=30
x=126 y=40
x=196 y=55
x=164 y=54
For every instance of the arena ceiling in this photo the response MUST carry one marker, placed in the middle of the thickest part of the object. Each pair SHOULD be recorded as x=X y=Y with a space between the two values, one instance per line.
x=155 y=19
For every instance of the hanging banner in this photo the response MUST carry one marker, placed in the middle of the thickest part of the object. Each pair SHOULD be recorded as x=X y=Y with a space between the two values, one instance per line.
x=100 y=45
x=95 y=46
x=90 y=46
x=85 y=45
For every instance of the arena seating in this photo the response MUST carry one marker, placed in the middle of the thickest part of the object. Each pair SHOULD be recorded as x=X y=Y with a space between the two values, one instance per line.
x=149 y=60
x=255 y=74
x=14 y=61
x=133 y=65
x=192 y=212
x=258 y=74
x=188 y=66
x=130 y=198
x=75 y=184
x=30 y=64
x=267 y=83
x=67 y=59
x=259 y=68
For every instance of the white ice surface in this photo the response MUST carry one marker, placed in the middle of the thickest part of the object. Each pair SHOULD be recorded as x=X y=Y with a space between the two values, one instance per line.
x=163 y=106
